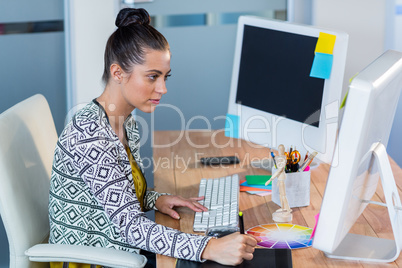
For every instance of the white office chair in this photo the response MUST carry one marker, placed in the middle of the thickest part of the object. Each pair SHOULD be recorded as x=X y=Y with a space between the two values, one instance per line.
x=27 y=141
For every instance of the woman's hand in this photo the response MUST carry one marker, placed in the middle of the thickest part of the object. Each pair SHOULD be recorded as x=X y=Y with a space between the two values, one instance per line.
x=166 y=203
x=231 y=249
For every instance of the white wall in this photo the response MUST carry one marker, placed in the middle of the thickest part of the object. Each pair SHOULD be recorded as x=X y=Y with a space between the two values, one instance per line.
x=299 y=11
x=363 y=20
x=373 y=27
x=89 y=24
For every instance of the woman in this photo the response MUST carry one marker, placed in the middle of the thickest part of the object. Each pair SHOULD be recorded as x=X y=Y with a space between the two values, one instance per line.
x=98 y=192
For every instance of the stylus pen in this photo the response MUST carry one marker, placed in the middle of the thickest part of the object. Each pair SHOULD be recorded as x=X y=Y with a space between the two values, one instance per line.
x=241 y=222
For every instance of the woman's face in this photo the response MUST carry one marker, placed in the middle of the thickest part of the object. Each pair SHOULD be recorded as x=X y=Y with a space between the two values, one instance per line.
x=144 y=87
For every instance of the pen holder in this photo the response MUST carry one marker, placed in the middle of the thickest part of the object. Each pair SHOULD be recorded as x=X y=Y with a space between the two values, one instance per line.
x=297 y=186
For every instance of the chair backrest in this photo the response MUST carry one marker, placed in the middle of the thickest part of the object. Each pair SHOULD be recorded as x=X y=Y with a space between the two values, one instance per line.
x=27 y=141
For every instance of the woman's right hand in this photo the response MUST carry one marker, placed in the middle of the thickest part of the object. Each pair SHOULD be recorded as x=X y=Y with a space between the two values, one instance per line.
x=231 y=249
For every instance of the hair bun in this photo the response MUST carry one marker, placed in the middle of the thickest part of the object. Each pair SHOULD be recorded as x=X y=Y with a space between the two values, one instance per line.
x=129 y=16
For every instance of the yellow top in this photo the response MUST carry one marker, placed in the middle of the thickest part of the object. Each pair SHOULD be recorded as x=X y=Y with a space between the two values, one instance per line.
x=140 y=183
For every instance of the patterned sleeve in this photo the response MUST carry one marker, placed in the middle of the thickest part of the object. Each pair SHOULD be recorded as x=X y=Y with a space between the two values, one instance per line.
x=150 y=200
x=111 y=188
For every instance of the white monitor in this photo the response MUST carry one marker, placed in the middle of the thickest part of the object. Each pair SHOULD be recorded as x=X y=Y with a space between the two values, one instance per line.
x=274 y=96
x=362 y=160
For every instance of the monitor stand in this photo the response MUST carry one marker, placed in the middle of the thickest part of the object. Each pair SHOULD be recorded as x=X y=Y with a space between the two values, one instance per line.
x=374 y=249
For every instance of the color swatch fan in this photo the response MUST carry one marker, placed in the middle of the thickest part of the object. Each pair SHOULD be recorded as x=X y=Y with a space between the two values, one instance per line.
x=282 y=235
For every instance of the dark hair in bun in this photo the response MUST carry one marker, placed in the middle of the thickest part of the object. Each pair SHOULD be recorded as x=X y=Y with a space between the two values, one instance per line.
x=127 y=45
x=128 y=16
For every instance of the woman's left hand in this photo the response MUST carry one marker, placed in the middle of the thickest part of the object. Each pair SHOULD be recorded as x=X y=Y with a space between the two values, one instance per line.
x=166 y=203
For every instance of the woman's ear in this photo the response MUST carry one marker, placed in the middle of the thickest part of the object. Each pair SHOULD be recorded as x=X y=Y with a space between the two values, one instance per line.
x=116 y=73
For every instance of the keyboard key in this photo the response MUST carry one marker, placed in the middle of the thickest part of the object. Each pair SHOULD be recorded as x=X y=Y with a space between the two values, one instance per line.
x=222 y=200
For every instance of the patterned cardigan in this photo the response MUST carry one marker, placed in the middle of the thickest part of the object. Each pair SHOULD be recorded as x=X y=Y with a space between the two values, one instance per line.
x=92 y=198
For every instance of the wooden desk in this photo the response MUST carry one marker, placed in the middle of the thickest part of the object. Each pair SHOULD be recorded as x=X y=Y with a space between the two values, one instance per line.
x=178 y=171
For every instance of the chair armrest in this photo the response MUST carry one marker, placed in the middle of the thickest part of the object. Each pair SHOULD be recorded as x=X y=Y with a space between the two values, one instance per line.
x=84 y=254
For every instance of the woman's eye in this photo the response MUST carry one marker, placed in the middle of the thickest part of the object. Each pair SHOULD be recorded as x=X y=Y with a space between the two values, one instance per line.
x=153 y=77
x=167 y=76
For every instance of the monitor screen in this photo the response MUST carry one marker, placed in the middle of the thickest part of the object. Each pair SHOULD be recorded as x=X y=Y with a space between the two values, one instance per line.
x=276 y=64
x=276 y=96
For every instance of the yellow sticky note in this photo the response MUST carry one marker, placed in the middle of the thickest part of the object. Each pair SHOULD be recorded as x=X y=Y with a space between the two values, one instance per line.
x=325 y=43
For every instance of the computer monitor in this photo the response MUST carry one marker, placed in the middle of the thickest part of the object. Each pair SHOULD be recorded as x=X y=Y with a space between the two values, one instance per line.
x=276 y=95
x=362 y=159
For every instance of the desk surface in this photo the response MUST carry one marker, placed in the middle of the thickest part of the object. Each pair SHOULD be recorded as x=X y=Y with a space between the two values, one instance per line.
x=178 y=171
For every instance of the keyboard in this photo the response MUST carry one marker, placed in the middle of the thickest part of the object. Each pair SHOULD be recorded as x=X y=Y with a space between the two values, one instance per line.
x=222 y=201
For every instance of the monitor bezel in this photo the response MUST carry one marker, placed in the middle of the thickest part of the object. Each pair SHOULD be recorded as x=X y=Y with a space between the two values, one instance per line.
x=282 y=130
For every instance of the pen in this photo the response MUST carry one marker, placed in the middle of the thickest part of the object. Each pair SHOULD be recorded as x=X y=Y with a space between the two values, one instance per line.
x=241 y=222
x=305 y=157
x=273 y=157
x=308 y=161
